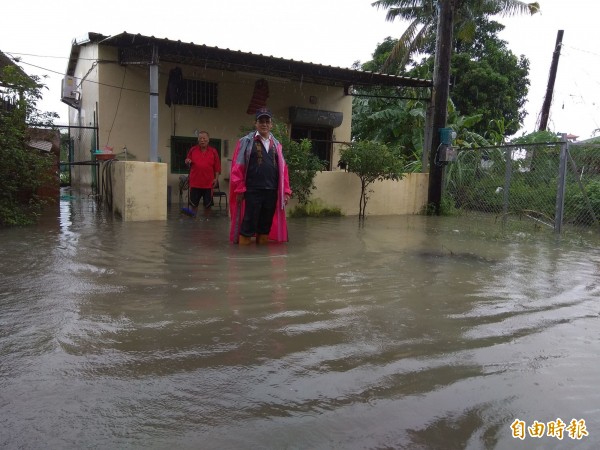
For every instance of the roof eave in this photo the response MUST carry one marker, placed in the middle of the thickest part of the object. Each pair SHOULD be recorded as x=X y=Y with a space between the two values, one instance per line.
x=178 y=52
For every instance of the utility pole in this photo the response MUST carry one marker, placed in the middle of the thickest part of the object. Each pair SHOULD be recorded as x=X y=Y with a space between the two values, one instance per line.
x=550 y=89
x=441 y=92
x=154 y=105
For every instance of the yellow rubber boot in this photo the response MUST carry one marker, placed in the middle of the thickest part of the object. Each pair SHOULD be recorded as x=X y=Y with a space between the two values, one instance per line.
x=262 y=239
x=244 y=240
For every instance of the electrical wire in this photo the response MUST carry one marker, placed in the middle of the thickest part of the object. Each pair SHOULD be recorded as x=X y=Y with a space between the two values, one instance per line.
x=117 y=109
x=87 y=81
x=106 y=195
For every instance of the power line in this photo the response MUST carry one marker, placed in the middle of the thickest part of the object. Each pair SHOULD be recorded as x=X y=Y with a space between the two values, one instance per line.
x=581 y=50
x=62 y=74
x=42 y=56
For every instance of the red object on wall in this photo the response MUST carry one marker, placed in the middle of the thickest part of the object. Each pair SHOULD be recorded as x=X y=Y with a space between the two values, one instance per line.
x=259 y=96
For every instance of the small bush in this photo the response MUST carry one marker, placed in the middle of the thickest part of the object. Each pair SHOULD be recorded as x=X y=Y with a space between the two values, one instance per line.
x=22 y=170
x=315 y=208
x=577 y=207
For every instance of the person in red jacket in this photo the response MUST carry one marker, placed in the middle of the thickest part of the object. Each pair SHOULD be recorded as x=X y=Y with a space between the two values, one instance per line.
x=205 y=168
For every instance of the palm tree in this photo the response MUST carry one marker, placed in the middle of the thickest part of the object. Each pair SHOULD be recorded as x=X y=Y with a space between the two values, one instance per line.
x=459 y=14
x=422 y=16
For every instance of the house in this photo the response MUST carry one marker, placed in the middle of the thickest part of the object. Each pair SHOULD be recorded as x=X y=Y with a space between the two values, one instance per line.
x=147 y=98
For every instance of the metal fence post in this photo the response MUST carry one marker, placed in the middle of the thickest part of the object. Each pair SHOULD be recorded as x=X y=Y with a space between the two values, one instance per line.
x=506 y=189
x=561 y=185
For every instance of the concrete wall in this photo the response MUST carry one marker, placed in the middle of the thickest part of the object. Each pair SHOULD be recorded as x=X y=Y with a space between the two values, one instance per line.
x=342 y=190
x=139 y=190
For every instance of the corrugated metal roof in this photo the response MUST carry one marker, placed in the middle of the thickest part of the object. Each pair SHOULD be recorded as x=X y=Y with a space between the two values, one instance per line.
x=38 y=144
x=132 y=46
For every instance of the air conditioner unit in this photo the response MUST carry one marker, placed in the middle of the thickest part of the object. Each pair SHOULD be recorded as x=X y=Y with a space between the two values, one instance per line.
x=69 y=93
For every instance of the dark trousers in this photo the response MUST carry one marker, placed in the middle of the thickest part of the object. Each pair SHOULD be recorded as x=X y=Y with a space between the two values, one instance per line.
x=205 y=194
x=259 y=211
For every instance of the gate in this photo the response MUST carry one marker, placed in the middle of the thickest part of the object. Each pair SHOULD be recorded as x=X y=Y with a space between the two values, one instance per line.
x=78 y=165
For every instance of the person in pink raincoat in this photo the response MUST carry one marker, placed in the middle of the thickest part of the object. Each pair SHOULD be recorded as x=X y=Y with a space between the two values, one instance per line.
x=259 y=186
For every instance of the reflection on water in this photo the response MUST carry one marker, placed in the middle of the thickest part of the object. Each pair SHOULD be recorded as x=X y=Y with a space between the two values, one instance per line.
x=411 y=332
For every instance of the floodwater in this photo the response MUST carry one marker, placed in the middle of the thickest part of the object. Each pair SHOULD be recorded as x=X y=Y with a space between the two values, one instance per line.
x=406 y=333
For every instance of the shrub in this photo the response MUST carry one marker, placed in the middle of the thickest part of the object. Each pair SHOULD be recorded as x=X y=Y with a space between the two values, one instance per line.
x=315 y=208
x=372 y=161
x=578 y=206
x=22 y=171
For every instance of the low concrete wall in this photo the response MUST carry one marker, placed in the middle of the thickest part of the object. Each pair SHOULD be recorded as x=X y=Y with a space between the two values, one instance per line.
x=342 y=190
x=139 y=190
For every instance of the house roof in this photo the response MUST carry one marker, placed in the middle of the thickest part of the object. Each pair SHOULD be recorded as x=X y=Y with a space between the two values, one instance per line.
x=136 y=48
x=38 y=144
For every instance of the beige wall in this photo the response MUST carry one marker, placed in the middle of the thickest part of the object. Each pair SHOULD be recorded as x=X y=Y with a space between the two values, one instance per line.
x=342 y=190
x=139 y=190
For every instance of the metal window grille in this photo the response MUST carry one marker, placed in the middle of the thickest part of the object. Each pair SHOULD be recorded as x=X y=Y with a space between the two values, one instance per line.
x=179 y=148
x=199 y=93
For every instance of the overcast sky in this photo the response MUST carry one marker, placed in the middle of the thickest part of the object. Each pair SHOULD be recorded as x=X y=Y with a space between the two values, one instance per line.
x=330 y=32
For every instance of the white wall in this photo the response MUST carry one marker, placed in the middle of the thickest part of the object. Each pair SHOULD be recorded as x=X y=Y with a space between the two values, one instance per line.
x=86 y=75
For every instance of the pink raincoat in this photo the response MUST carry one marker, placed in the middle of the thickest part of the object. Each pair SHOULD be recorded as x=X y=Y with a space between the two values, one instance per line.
x=237 y=185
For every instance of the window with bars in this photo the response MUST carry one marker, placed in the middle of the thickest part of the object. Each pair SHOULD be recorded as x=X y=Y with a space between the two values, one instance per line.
x=198 y=93
x=180 y=146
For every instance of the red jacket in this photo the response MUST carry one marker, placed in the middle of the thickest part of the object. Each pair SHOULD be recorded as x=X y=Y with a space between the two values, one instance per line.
x=205 y=165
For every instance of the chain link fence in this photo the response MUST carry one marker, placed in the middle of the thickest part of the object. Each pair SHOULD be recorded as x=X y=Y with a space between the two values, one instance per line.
x=548 y=186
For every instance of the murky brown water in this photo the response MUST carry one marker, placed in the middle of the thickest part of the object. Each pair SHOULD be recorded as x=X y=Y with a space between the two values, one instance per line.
x=410 y=333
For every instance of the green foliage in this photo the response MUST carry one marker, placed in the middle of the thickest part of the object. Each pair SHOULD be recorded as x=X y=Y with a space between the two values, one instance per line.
x=22 y=170
x=488 y=79
x=413 y=163
x=419 y=34
x=315 y=208
x=489 y=88
x=577 y=206
x=536 y=138
x=372 y=161
x=389 y=119
x=447 y=207
x=303 y=164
